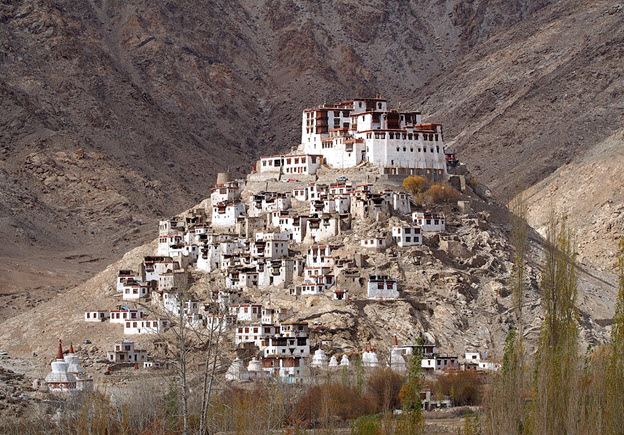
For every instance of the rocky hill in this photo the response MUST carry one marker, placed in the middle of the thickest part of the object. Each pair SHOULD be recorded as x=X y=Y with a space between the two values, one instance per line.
x=159 y=95
x=539 y=107
x=453 y=290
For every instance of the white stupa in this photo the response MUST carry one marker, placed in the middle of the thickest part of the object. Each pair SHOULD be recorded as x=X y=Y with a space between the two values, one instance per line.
x=333 y=362
x=59 y=380
x=344 y=361
x=397 y=360
x=237 y=371
x=369 y=358
x=319 y=359
x=83 y=383
x=255 y=368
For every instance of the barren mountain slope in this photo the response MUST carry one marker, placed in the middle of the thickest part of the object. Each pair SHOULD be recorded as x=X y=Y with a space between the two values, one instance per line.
x=160 y=94
x=532 y=98
x=590 y=192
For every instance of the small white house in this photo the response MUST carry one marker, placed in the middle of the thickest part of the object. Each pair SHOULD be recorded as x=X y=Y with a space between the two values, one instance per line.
x=374 y=243
x=225 y=214
x=382 y=287
x=124 y=352
x=438 y=362
x=96 y=316
x=300 y=194
x=255 y=333
x=320 y=256
x=146 y=326
x=301 y=164
x=401 y=203
x=291 y=369
x=136 y=291
x=406 y=236
x=246 y=312
x=341 y=294
x=429 y=221
x=228 y=192
x=319 y=229
x=120 y=316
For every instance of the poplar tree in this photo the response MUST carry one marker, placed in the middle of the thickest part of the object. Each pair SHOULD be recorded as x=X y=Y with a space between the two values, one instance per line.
x=614 y=411
x=505 y=402
x=556 y=400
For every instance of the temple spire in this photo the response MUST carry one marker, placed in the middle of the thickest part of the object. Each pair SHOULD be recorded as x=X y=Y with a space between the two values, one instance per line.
x=59 y=354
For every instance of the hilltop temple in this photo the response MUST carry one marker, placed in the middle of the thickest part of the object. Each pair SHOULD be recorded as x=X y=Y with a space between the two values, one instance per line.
x=365 y=130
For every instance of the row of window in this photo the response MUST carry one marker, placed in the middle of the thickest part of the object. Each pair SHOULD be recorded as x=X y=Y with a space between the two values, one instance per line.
x=424 y=149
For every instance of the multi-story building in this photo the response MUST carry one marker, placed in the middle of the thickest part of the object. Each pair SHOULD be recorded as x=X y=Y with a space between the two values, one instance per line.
x=350 y=132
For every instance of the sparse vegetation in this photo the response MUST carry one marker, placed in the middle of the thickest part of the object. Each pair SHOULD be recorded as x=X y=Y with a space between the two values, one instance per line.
x=415 y=184
x=440 y=193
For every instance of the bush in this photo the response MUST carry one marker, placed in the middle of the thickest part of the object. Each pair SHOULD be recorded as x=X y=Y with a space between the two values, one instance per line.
x=440 y=193
x=341 y=401
x=384 y=386
x=463 y=387
x=415 y=184
x=366 y=425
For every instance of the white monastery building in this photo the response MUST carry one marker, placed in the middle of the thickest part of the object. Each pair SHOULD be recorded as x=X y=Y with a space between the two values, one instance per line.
x=407 y=236
x=350 y=132
x=429 y=221
x=382 y=287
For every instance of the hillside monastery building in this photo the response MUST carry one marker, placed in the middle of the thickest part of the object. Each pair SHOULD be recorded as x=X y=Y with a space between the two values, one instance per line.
x=365 y=130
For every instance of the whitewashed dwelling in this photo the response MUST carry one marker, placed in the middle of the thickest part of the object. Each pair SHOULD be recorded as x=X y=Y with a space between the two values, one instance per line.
x=429 y=221
x=300 y=164
x=382 y=287
x=146 y=326
x=440 y=362
x=290 y=369
x=374 y=243
x=124 y=352
x=121 y=315
x=246 y=312
x=406 y=236
x=96 y=316
x=225 y=214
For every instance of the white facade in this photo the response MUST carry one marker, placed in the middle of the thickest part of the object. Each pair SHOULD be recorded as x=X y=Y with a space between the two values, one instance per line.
x=246 y=312
x=288 y=369
x=270 y=245
x=125 y=352
x=277 y=345
x=320 y=256
x=350 y=132
x=96 y=316
x=225 y=214
x=136 y=291
x=429 y=221
x=437 y=363
x=300 y=164
x=382 y=287
x=319 y=229
x=120 y=316
x=292 y=224
x=406 y=236
x=146 y=326
x=401 y=203
x=374 y=243
x=258 y=334
x=224 y=193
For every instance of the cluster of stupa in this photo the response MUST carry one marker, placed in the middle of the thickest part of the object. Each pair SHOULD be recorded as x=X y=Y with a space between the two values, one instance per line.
x=67 y=374
x=369 y=357
x=238 y=371
x=319 y=360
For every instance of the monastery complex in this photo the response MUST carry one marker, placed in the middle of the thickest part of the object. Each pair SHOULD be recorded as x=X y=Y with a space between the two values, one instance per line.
x=281 y=235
